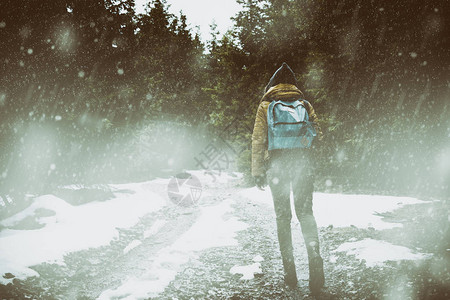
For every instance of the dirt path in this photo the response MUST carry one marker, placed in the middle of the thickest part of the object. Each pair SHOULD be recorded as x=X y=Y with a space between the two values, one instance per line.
x=109 y=267
x=346 y=276
x=88 y=273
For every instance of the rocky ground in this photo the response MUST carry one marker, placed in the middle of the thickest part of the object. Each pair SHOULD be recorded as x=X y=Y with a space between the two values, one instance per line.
x=207 y=275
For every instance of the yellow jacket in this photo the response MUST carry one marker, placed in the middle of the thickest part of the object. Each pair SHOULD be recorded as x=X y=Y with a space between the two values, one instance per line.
x=260 y=153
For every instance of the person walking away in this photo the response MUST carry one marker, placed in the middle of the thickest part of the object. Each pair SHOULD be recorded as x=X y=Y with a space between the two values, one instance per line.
x=282 y=157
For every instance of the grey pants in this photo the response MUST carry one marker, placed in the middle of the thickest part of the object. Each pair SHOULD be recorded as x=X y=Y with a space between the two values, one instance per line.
x=289 y=168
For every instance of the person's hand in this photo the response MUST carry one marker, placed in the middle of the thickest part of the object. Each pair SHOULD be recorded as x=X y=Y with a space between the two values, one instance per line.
x=260 y=182
x=316 y=143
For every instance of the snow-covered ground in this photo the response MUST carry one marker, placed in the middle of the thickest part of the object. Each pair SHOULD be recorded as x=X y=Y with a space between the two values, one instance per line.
x=361 y=211
x=375 y=252
x=94 y=224
x=71 y=228
x=212 y=229
x=249 y=271
x=342 y=210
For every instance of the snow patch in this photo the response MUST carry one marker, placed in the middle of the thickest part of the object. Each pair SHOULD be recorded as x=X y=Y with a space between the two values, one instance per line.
x=258 y=196
x=342 y=210
x=140 y=288
x=131 y=246
x=376 y=252
x=155 y=228
x=71 y=228
x=214 y=228
x=258 y=258
x=248 y=272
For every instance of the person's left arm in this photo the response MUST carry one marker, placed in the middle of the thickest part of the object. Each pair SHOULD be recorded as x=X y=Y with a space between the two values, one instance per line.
x=313 y=118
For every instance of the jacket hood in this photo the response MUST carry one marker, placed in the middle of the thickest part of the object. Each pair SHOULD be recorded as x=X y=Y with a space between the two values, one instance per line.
x=284 y=74
x=283 y=91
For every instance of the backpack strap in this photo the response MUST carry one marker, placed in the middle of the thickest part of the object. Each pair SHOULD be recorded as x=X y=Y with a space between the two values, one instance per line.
x=306 y=105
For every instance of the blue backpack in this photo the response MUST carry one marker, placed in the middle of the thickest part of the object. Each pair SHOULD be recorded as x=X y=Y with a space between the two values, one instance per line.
x=289 y=126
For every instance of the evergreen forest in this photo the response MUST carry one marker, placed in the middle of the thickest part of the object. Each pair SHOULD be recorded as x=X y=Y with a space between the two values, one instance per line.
x=93 y=92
